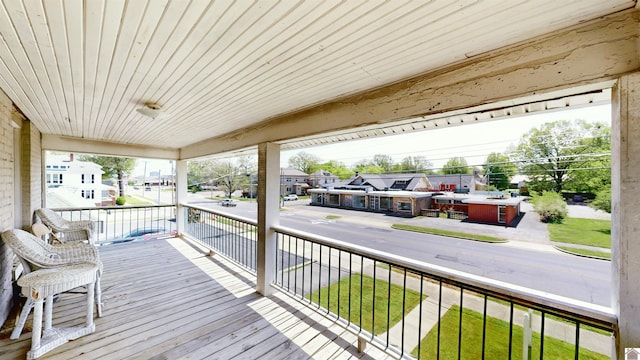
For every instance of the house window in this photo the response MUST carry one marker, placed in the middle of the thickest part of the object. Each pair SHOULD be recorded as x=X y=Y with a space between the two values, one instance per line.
x=385 y=203
x=358 y=202
x=404 y=206
x=443 y=201
x=82 y=178
x=316 y=198
x=93 y=178
x=502 y=214
x=334 y=199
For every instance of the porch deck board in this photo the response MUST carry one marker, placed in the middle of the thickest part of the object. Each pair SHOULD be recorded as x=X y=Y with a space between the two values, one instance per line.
x=166 y=299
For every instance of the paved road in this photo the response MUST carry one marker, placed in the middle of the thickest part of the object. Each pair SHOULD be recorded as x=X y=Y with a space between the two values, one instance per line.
x=535 y=265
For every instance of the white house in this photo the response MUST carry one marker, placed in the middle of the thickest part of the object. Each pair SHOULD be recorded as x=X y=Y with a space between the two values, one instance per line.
x=79 y=178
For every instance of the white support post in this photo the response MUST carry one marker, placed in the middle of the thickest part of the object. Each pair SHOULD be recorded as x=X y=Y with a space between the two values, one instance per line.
x=181 y=193
x=268 y=214
x=527 y=335
x=625 y=201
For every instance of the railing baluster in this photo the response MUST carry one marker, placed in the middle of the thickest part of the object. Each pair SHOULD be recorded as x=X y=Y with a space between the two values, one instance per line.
x=373 y=298
x=439 y=318
x=542 y=334
x=329 y=284
x=577 y=347
x=460 y=323
x=420 y=314
x=510 y=329
x=484 y=324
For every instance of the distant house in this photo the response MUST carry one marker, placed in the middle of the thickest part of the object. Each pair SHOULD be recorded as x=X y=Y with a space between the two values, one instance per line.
x=406 y=203
x=632 y=354
x=293 y=181
x=80 y=178
x=322 y=178
x=386 y=182
x=462 y=183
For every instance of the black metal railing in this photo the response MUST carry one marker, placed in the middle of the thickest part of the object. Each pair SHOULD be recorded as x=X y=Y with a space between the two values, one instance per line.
x=120 y=224
x=232 y=236
x=418 y=310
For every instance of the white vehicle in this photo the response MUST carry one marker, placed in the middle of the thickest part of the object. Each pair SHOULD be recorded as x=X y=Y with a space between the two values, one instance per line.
x=291 y=197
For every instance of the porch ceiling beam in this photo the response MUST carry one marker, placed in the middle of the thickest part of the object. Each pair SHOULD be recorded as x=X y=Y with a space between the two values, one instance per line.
x=591 y=53
x=77 y=145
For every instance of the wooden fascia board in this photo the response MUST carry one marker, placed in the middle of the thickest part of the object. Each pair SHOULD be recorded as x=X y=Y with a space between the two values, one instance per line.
x=593 y=52
x=78 y=145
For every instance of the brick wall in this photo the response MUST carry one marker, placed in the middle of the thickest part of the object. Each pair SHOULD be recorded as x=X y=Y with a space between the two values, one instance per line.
x=6 y=203
x=31 y=172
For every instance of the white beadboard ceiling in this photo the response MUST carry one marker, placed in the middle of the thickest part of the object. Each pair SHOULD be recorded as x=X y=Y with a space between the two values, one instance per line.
x=82 y=68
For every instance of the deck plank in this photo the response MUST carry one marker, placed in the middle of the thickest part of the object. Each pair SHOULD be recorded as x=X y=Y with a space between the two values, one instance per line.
x=166 y=299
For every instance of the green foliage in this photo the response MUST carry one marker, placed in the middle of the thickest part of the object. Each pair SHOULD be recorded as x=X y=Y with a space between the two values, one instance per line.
x=384 y=161
x=456 y=165
x=496 y=334
x=499 y=170
x=336 y=168
x=414 y=164
x=550 y=206
x=602 y=200
x=304 y=162
x=121 y=200
x=367 y=167
x=590 y=232
x=229 y=175
x=564 y=155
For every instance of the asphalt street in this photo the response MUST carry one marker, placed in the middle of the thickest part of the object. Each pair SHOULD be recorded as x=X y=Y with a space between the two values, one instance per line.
x=532 y=265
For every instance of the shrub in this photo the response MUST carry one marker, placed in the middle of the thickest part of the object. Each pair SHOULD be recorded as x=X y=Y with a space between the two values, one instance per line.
x=550 y=206
x=120 y=200
x=602 y=200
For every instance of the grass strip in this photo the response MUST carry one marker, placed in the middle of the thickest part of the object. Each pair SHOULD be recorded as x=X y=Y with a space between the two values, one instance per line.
x=590 y=232
x=496 y=343
x=331 y=217
x=456 y=234
x=585 y=252
x=366 y=295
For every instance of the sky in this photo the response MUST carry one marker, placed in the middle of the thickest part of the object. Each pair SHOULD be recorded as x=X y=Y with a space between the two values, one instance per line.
x=473 y=142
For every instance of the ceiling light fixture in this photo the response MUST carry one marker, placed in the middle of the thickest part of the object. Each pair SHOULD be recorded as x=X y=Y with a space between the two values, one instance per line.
x=151 y=110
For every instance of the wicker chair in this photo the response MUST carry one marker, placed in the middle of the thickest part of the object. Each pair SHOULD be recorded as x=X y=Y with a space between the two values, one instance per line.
x=35 y=254
x=63 y=230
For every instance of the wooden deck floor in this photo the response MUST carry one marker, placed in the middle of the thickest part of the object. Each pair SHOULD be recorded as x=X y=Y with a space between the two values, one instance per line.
x=165 y=299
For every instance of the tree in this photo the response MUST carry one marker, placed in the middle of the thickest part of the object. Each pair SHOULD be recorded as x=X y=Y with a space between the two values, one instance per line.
x=367 y=167
x=304 y=162
x=230 y=177
x=566 y=154
x=114 y=168
x=416 y=164
x=383 y=161
x=336 y=168
x=499 y=170
x=456 y=165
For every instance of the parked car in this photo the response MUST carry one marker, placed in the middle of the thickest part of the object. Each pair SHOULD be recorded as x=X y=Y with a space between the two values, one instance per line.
x=140 y=235
x=291 y=197
x=228 y=202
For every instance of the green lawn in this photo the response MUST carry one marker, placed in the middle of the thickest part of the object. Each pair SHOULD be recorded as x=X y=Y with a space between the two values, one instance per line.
x=329 y=299
x=582 y=231
x=130 y=200
x=447 y=233
x=496 y=343
x=598 y=254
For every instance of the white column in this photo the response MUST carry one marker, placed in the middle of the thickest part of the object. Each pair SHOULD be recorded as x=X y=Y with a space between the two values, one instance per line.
x=268 y=214
x=181 y=193
x=625 y=214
